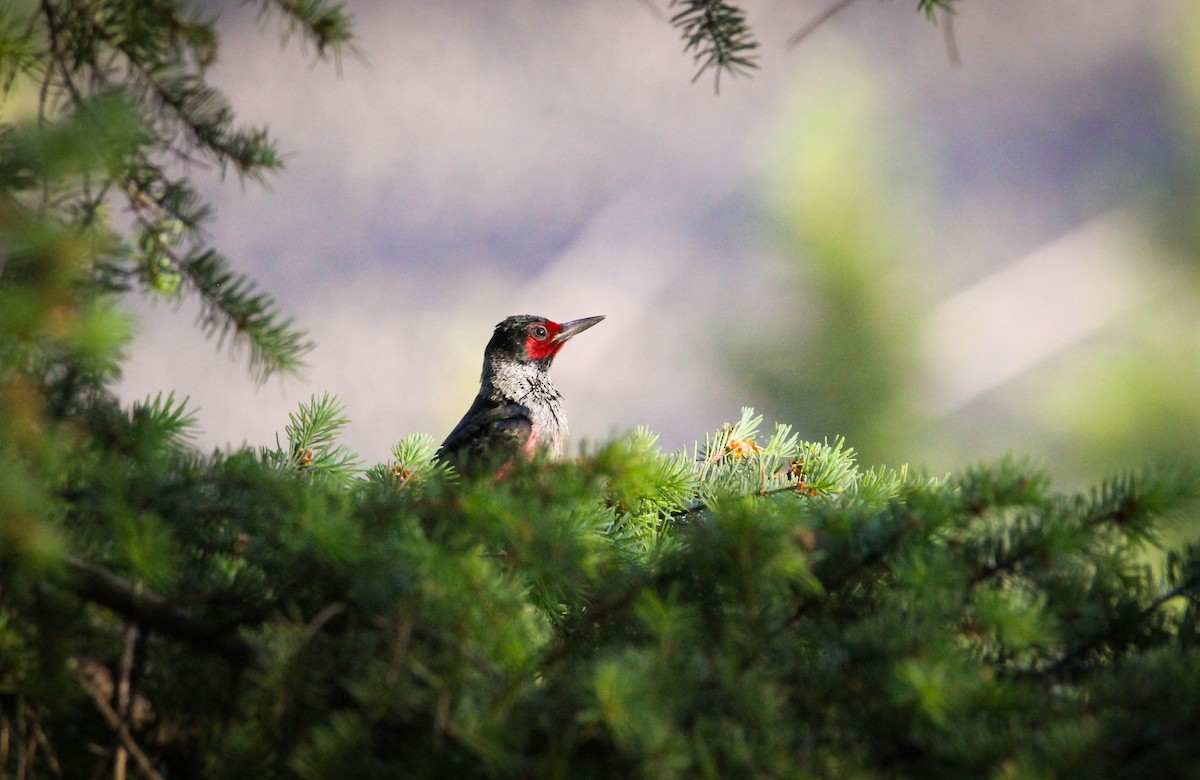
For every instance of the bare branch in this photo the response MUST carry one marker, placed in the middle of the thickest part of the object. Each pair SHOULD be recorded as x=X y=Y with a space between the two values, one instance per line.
x=116 y=724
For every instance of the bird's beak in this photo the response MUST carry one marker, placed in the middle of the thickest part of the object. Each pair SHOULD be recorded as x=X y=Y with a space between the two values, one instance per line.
x=569 y=329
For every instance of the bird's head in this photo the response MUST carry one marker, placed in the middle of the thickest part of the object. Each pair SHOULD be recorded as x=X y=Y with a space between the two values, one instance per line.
x=527 y=338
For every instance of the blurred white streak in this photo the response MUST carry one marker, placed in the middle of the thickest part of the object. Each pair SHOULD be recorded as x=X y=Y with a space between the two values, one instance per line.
x=627 y=257
x=628 y=265
x=1014 y=319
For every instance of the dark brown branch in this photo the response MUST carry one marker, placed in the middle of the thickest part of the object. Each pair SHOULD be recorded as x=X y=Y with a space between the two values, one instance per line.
x=1078 y=652
x=696 y=509
x=156 y=614
x=1023 y=552
x=115 y=722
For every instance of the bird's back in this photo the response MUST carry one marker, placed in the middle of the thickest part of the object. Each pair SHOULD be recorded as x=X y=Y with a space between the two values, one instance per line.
x=488 y=436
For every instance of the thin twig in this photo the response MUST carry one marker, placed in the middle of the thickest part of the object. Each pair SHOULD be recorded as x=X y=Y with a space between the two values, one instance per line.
x=817 y=21
x=458 y=646
x=51 y=759
x=696 y=509
x=124 y=697
x=114 y=721
x=654 y=9
x=947 y=22
x=5 y=738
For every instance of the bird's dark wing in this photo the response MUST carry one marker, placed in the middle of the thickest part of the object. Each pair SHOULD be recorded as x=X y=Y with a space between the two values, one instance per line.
x=487 y=437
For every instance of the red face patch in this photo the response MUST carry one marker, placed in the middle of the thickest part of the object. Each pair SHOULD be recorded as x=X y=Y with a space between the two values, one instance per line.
x=540 y=342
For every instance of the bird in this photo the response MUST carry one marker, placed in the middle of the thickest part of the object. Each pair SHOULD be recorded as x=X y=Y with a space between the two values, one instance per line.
x=518 y=409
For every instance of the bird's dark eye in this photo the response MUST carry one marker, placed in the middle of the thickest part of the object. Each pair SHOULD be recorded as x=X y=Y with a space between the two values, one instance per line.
x=539 y=332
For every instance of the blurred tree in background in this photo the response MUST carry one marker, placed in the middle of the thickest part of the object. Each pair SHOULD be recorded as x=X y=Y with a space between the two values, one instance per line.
x=758 y=606
x=853 y=205
x=844 y=357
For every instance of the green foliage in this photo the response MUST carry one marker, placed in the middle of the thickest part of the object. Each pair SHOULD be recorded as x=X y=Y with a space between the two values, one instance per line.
x=121 y=97
x=716 y=35
x=412 y=465
x=163 y=422
x=931 y=8
x=311 y=441
x=629 y=613
x=18 y=48
x=761 y=606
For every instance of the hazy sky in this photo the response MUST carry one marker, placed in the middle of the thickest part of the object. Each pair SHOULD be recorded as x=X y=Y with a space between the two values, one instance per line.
x=490 y=158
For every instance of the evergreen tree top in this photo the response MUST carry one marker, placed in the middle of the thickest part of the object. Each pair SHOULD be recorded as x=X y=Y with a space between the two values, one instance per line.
x=756 y=606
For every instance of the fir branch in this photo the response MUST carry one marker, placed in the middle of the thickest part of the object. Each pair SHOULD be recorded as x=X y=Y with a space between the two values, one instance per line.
x=869 y=544
x=701 y=507
x=208 y=121
x=716 y=33
x=460 y=648
x=589 y=620
x=160 y=71
x=235 y=311
x=648 y=482
x=1130 y=504
x=58 y=63
x=1134 y=502
x=139 y=605
x=18 y=48
x=932 y=8
x=1030 y=536
x=311 y=433
x=732 y=463
x=165 y=419
x=412 y=463
x=327 y=25
x=1185 y=588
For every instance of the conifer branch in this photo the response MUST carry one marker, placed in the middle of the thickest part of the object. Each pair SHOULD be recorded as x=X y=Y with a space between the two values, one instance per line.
x=460 y=648
x=701 y=507
x=1182 y=589
x=569 y=640
x=18 y=53
x=89 y=50
x=716 y=34
x=160 y=71
x=233 y=309
x=312 y=440
x=885 y=543
x=139 y=605
x=1129 y=504
x=328 y=26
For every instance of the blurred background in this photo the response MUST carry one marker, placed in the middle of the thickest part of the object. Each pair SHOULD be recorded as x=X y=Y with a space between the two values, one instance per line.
x=942 y=262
